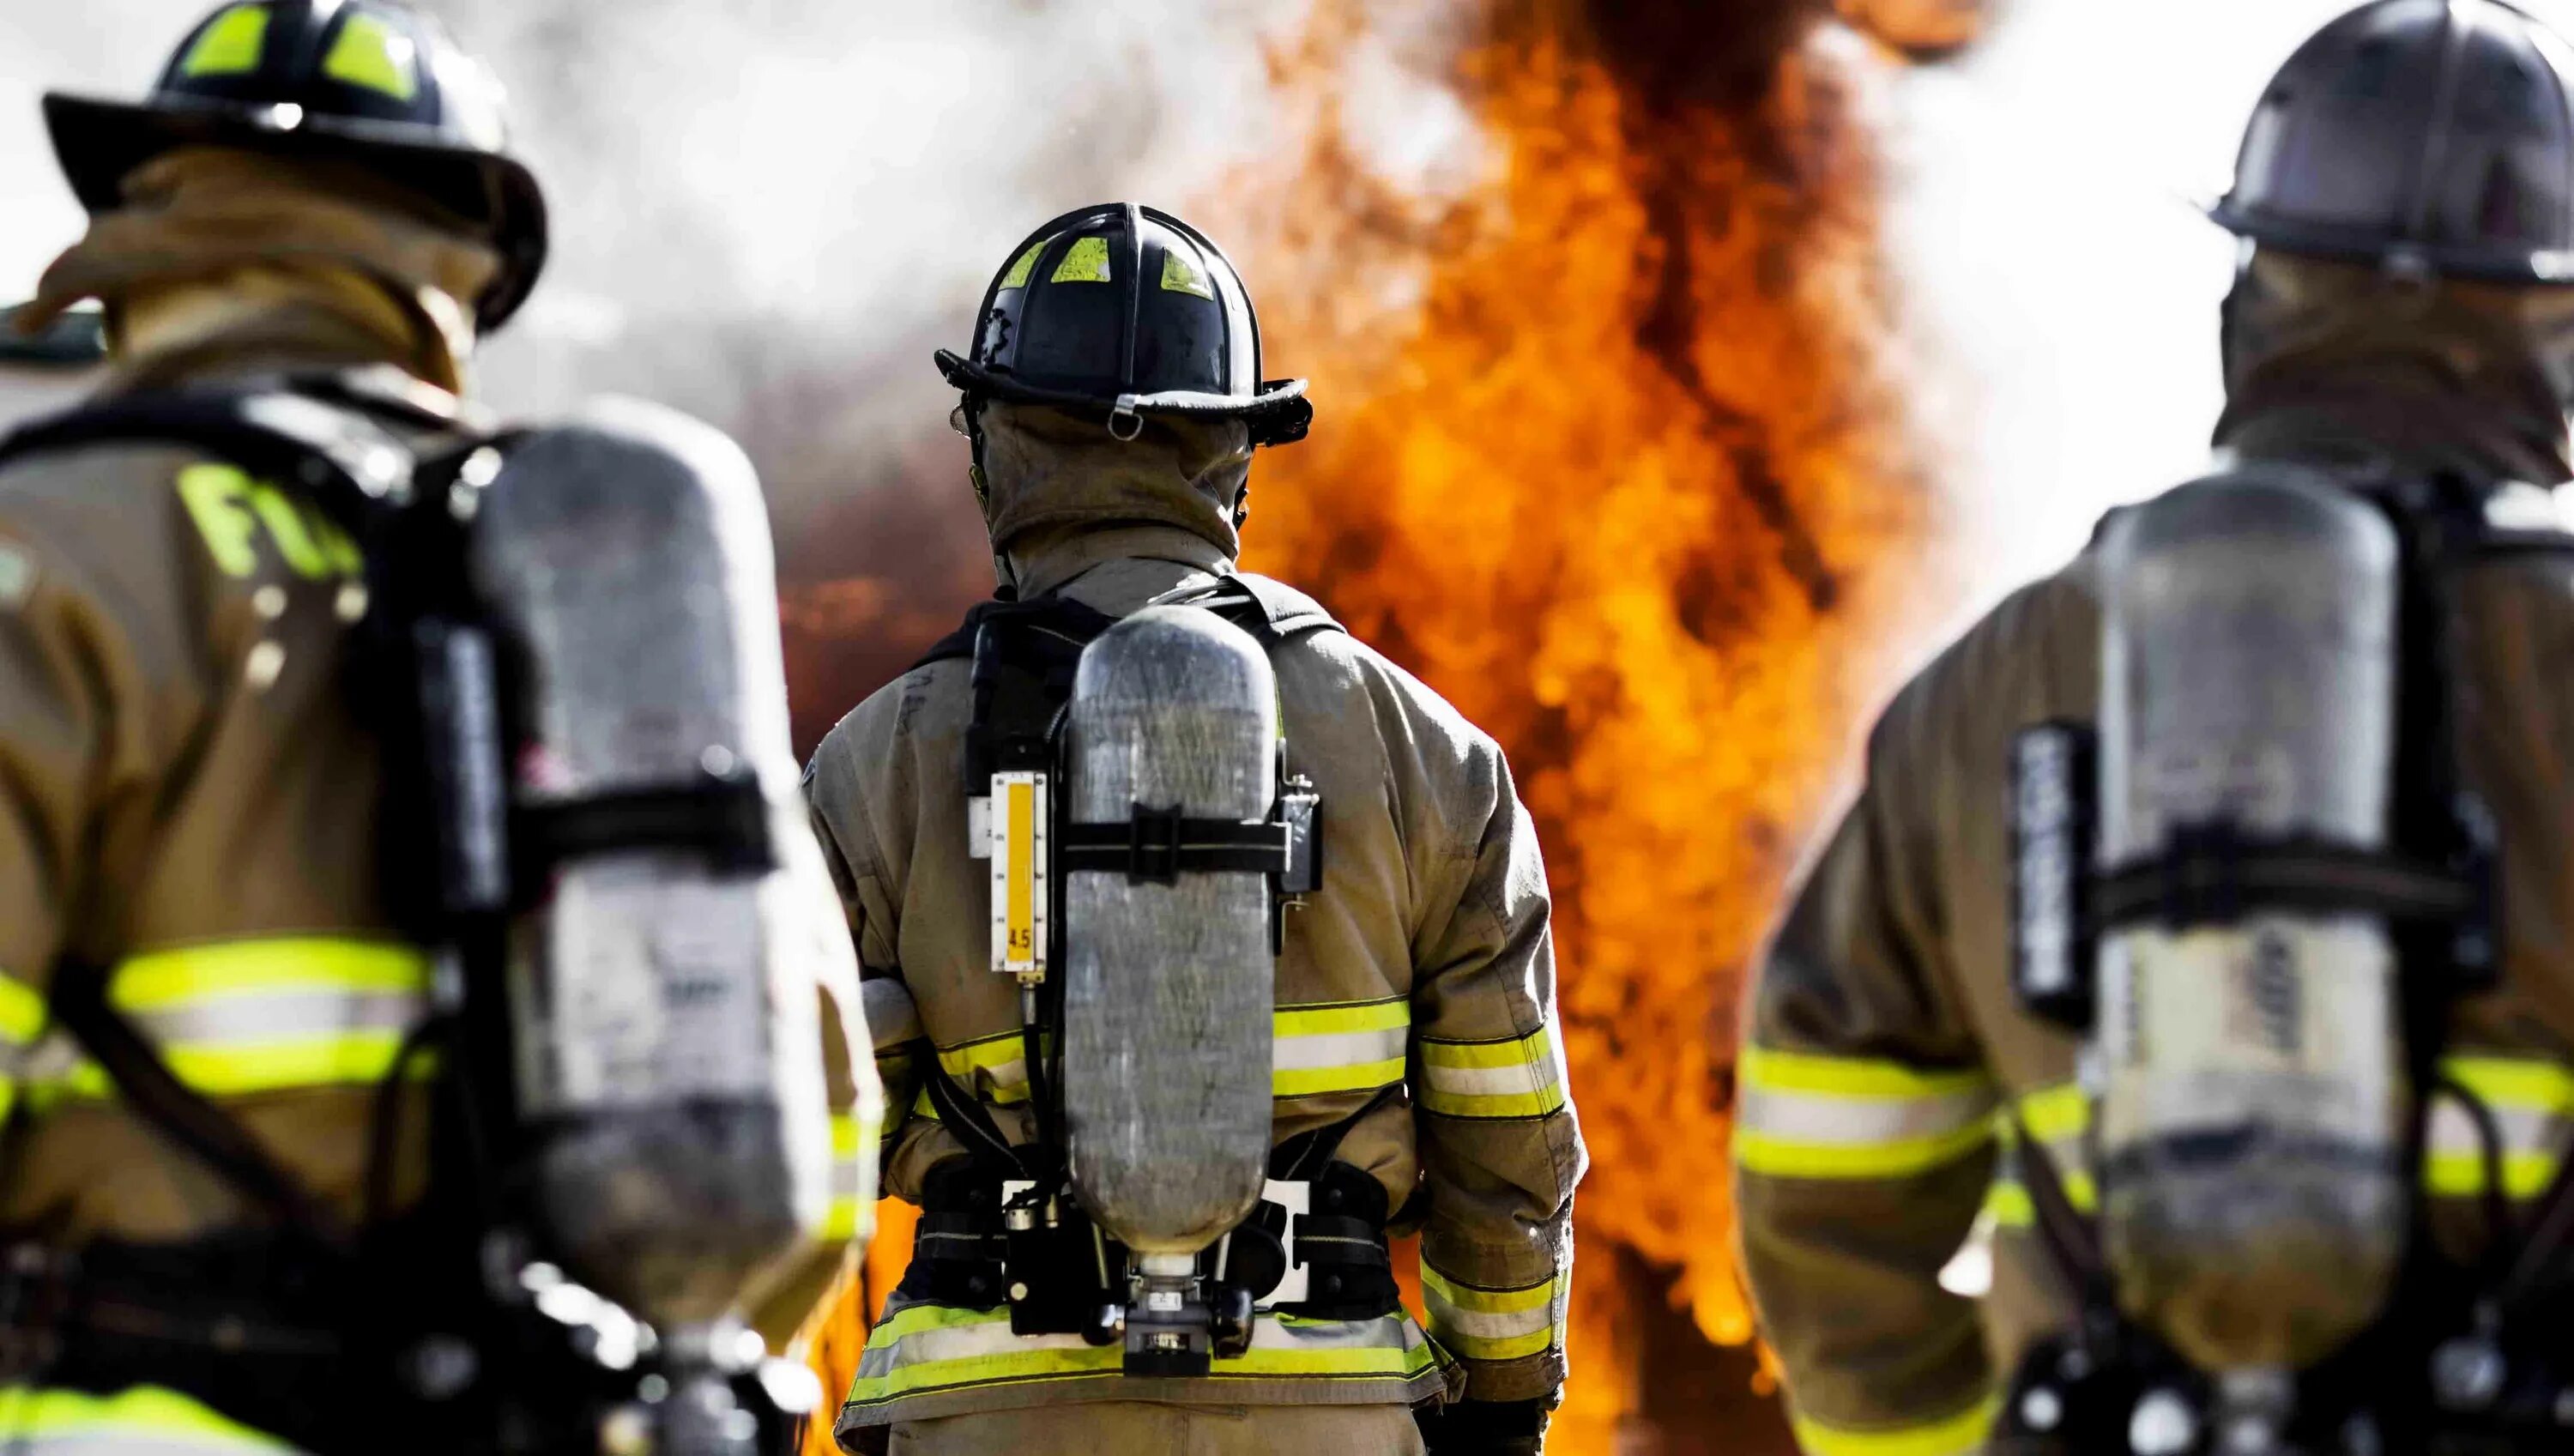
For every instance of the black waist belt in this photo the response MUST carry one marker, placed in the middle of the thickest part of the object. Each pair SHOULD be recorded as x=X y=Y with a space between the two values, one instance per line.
x=328 y=1355
x=1337 y=1245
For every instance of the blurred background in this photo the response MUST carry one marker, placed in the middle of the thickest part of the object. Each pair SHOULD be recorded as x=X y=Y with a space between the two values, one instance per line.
x=1686 y=370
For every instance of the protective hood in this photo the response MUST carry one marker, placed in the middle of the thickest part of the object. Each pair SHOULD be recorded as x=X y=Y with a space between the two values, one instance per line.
x=2446 y=374
x=306 y=236
x=1049 y=472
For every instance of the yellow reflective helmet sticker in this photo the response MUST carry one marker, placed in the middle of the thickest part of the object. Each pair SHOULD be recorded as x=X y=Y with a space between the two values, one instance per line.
x=1019 y=271
x=1179 y=274
x=231 y=46
x=374 y=55
x=1085 y=262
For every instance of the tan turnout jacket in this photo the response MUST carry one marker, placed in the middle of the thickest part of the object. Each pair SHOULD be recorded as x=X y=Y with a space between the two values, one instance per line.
x=1426 y=961
x=187 y=807
x=1885 y=1044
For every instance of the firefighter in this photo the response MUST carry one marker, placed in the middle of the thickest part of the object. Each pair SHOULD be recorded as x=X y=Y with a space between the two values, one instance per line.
x=2279 y=926
x=1114 y=399
x=224 y=1053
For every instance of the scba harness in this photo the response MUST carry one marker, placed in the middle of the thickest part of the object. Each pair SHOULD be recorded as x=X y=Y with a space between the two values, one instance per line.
x=1001 y=1225
x=444 y=1326
x=2464 y=1360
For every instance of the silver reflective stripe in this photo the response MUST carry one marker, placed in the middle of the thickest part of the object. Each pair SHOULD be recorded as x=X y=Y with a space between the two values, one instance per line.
x=265 y=1016
x=1339 y=1050
x=1519 y=1077
x=961 y=1342
x=1448 y=1318
x=1810 y=1118
x=892 y=1017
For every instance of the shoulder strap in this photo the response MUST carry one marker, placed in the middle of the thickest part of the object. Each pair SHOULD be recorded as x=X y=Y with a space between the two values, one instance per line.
x=353 y=465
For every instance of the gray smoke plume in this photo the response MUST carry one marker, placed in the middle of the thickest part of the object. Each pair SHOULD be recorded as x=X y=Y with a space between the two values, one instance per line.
x=769 y=213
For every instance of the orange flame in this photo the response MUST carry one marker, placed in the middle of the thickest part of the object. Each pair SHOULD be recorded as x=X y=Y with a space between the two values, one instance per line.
x=1607 y=454
x=1624 y=483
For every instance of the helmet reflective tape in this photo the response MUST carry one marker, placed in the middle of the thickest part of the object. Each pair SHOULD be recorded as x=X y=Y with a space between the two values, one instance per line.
x=1514 y=1077
x=922 y=1349
x=1494 y=1324
x=1086 y=261
x=1179 y=274
x=232 y=45
x=145 y=1420
x=370 y=54
x=1020 y=271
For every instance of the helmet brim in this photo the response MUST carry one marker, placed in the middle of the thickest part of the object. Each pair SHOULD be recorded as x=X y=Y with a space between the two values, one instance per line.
x=2537 y=267
x=100 y=143
x=1278 y=414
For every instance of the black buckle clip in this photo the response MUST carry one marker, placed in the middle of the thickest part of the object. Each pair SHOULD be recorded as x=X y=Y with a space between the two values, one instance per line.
x=1153 y=846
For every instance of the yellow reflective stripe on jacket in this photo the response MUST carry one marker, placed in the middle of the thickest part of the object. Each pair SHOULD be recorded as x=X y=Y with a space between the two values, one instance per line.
x=1957 y=1435
x=2532 y=1102
x=22 y=1025
x=1477 y=1323
x=2059 y=1117
x=926 y=1348
x=993 y=1068
x=854 y=1146
x=2057 y=1114
x=2531 y=1099
x=1509 y=1078
x=1341 y=1047
x=1802 y=1115
x=266 y=1016
x=143 y=1421
x=1347 y=1048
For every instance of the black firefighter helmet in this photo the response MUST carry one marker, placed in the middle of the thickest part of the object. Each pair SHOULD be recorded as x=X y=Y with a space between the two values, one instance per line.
x=2435 y=137
x=1124 y=311
x=364 y=81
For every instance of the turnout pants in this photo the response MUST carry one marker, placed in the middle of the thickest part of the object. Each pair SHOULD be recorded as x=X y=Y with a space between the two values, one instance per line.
x=1132 y=1428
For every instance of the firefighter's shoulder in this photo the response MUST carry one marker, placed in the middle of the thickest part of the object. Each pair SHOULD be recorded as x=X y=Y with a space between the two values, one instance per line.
x=2029 y=657
x=102 y=497
x=1323 y=676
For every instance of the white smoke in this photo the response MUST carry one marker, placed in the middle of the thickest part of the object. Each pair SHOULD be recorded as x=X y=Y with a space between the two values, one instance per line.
x=2047 y=232
x=766 y=213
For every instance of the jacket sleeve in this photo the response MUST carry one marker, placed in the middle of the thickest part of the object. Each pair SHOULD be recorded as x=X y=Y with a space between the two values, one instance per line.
x=893 y=1021
x=1863 y=1144
x=1500 y=1148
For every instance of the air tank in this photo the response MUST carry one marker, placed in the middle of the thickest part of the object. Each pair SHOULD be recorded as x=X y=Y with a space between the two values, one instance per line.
x=668 y=1069
x=1169 y=983
x=2253 y=1098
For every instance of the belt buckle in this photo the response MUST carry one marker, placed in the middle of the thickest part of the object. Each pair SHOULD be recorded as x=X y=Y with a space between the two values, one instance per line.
x=1297 y=1285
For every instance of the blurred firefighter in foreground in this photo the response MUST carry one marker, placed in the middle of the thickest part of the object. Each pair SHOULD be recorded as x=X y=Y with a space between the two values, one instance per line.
x=422 y=1017
x=2226 y=871
x=1202 y=945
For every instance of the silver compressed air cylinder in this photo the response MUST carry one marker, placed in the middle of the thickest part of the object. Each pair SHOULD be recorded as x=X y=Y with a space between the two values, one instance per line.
x=2254 y=1100
x=1169 y=988
x=668 y=1056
